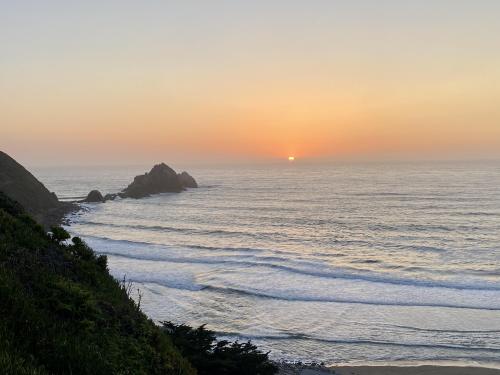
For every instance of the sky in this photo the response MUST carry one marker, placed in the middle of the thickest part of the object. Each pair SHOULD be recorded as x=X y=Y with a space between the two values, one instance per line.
x=106 y=82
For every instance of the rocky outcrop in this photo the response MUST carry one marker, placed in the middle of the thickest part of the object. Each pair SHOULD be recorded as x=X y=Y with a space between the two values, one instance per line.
x=160 y=179
x=94 y=196
x=21 y=186
x=187 y=180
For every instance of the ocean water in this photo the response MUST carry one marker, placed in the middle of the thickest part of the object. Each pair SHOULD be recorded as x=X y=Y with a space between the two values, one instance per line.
x=336 y=263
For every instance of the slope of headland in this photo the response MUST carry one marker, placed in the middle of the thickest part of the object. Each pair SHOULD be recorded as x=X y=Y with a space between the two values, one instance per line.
x=20 y=185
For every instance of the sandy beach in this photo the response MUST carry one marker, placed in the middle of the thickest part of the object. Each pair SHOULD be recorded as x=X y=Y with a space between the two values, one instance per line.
x=293 y=369
x=414 y=370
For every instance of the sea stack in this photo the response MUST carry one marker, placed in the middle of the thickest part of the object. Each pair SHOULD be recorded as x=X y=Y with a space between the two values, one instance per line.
x=161 y=179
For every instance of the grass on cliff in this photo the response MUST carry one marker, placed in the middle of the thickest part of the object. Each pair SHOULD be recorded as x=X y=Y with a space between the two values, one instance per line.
x=62 y=313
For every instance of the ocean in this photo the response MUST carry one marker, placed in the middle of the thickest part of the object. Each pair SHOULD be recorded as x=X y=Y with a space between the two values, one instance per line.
x=334 y=263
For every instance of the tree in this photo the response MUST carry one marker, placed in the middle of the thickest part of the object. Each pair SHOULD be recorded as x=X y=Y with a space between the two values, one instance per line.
x=59 y=234
x=210 y=356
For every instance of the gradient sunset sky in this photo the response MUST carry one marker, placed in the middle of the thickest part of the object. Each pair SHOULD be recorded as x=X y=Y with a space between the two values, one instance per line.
x=147 y=81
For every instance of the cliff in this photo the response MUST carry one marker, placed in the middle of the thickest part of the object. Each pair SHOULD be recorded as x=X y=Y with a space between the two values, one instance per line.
x=20 y=185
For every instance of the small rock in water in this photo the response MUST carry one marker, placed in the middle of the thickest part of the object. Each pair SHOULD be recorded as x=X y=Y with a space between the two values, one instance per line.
x=110 y=197
x=94 y=196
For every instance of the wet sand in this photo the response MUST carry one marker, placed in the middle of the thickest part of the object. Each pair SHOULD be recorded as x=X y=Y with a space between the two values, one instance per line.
x=413 y=370
x=293 y=369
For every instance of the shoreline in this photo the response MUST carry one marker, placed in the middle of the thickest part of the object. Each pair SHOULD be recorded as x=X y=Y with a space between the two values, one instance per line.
x=413 y=370
x=449 y=368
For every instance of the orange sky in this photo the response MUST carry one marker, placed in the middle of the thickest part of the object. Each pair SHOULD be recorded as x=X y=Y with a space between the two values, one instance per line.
x=230 y=81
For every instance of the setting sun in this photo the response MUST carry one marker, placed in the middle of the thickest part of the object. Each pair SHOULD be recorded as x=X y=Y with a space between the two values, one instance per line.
x=291 y=158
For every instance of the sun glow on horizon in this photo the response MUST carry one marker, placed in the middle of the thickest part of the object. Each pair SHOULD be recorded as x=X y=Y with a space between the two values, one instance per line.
x=321 y=80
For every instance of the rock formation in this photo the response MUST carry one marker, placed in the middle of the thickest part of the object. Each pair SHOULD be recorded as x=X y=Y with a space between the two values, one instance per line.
x=161 y=179
x=94 y=196
x=20 y=185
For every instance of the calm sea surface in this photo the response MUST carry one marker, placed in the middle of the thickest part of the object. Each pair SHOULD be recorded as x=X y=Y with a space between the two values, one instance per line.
x=334 y=263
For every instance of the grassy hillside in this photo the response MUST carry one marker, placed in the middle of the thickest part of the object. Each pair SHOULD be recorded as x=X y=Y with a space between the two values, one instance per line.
x=62 y=313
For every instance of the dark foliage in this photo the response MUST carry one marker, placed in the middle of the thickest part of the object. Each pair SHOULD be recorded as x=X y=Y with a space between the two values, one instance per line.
x=59 y=234
x=210 y=356
x=62 y=313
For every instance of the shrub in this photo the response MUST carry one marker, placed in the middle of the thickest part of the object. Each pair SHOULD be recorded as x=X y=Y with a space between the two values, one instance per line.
x=102 y=262
x=81 y=250
x=59 y=234
x=210 y=356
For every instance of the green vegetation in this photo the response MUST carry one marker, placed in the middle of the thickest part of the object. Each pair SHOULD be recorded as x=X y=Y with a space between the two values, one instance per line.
x=59 y=234
x=210 y=356
x=62 y=313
